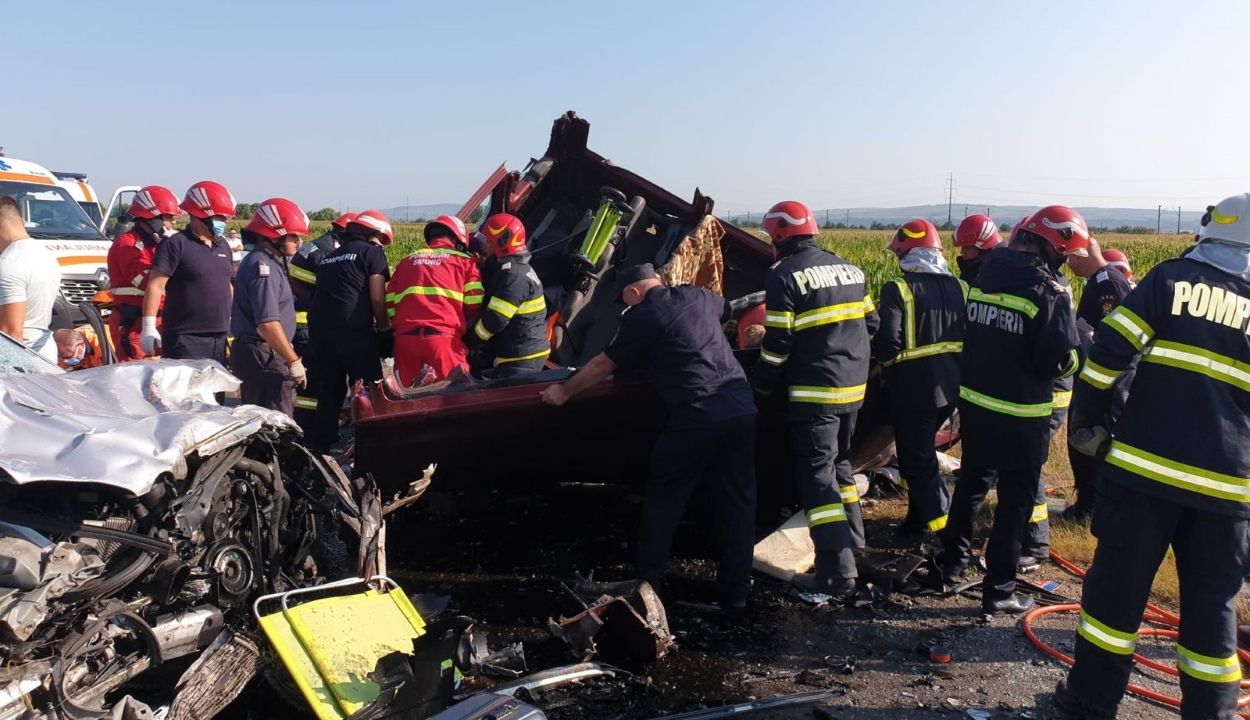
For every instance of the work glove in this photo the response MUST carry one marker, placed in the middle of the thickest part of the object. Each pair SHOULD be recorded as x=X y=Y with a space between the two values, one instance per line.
x=386 y=343
x=297 y=373
x=1089 y=441
x=150 y=337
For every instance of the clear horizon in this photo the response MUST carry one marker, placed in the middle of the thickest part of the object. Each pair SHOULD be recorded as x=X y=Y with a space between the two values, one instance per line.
x=1109 y=104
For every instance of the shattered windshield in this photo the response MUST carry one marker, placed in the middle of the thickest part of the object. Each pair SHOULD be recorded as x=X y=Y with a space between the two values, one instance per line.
x=50 y=212
x=17 y=358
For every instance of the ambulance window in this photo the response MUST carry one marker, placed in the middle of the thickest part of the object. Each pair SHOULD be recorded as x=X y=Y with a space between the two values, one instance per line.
x=49 y=211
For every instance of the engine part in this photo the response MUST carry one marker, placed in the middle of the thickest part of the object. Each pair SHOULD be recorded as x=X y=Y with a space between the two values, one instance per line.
x=235 y=570
x=216 y=678
x=18 y=684
x=168 y=580
x=106 y=548
x=108 y=584
x=23 y=532
x=187 y=632
x=19 y=563
x=47 y=524
x=44 y=574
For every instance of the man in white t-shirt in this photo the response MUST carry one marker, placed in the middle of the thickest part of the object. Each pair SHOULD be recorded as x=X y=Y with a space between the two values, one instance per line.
x=29 y=275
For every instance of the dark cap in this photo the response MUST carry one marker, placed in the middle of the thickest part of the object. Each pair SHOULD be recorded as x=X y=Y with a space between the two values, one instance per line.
x=633 y=274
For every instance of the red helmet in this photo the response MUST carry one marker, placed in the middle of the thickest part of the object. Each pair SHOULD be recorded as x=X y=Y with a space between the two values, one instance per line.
x=278 y=217
x=373 y=221
x=978 y=231
x=206 y=199
x=504 y=234
x=452 y=223
x=915 y=234
x=1015 y=230
x=341 y=222
x=1062 y=227
x=154 y=201
x=1119 y=260
x=788 y=219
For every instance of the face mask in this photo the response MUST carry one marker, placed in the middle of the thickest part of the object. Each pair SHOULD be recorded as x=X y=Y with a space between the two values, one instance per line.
x=157 y=226
x=169 y=232
x=968 y=268
x=219 y=227
x=74 y=361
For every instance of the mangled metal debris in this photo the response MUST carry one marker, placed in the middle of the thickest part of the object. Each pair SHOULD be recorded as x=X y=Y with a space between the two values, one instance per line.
x=627 y=624
x=490 y=706
x=777 y=703
x=138 y=519
x=556 y=677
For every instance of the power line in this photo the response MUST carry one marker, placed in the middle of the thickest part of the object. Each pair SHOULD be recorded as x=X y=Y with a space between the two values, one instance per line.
x=1133 y=179
x=1071 y=195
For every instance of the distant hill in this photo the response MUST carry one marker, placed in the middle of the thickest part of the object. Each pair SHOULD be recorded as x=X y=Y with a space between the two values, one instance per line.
x=1094 y=216
x=417 y=212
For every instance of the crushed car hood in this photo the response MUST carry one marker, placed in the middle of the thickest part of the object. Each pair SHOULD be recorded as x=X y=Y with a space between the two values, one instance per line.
x=121 y=425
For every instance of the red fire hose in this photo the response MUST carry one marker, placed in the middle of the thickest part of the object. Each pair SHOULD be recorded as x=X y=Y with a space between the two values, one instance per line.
x=1153 y=614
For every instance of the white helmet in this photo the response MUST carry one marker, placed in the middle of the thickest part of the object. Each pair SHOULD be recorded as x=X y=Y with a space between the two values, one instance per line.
x=1228 y=221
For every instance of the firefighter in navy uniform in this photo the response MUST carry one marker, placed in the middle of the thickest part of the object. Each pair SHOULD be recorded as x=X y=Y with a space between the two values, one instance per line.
x=1177 y=472
x=512 y=327
x=1105 y=288
x=350 y=328
x=1020 y=335
x=818 y=319
x=918 y=344
x=675 y=336
x=303 y=269
x=262 y=320
x=976 y=237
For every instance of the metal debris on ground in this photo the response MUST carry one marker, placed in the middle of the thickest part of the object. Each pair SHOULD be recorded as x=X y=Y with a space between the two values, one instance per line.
x=843 y=664
x=626 y=624
x=776 y=703
x=491 y=706
x=555 y=677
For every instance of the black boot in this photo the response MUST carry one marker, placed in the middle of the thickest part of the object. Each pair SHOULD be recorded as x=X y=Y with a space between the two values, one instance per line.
x=1072 y=708
x=1011 y=605
x=839 y=589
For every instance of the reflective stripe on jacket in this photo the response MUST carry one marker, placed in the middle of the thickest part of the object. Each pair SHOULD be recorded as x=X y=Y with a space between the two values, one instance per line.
x=513 y=322
x=921 y=336
x=818 y=319
x=439 y=288
x=1182 y=434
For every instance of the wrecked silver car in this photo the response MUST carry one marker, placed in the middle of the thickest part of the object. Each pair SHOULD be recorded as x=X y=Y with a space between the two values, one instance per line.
x=138 y=521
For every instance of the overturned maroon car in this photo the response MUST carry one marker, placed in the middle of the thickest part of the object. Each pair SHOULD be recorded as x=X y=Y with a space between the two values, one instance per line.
x=586 y=219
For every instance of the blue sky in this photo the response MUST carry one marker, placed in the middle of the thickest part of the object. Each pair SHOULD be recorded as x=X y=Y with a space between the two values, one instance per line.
x=1112 y=103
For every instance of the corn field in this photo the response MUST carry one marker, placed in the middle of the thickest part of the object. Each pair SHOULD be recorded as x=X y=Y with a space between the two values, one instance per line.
x=867 y=249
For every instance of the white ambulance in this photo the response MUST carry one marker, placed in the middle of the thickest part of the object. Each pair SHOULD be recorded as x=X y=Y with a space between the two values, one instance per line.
x=56 y=219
